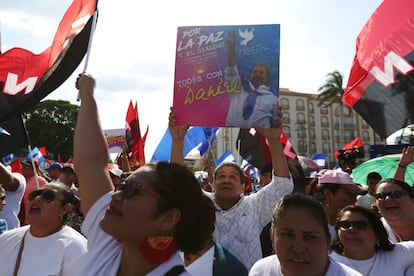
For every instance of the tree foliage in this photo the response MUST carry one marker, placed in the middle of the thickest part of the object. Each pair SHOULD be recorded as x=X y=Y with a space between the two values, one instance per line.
x=51 y=124
x=332 y=91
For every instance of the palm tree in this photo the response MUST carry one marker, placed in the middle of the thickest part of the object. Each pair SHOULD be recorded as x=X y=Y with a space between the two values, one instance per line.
x=332 y=92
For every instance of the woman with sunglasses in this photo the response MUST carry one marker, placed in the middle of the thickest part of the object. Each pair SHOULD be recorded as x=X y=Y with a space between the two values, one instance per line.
x=363 y=244
x=301 y=241
x=138 y=229
x=45 y=246
x=395 y=202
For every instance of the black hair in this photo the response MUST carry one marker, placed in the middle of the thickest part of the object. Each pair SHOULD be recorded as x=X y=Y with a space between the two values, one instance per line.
x=69 y=198
x=374 y=175
x=403 y=185
x=233 y=165
x=305 y=202
x=375 y=222
x=178 y=188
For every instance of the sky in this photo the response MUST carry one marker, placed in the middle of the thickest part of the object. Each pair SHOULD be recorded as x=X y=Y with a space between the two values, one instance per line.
x=133 y=48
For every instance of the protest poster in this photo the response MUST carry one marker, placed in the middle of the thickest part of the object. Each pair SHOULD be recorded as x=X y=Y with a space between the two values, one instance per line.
x=227 y=76
x=115 y=138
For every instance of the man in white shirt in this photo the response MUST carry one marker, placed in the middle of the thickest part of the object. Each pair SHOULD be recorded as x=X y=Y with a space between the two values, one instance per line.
x=239 y=218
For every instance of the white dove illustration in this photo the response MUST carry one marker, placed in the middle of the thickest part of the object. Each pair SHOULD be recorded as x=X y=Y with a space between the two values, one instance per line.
x=246 y=35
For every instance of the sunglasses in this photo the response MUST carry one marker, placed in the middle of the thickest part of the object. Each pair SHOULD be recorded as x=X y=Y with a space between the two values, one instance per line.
x=393 y=194
x=357 y=224
x=47 y=195
x=131 y=188
x=3 y=197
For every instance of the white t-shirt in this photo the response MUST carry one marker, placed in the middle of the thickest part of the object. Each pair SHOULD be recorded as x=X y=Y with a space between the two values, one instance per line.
x=270 y=266
x=392 y=236
x=55 y=254
x=393 y=262
x=104 y=252
x=13 y=200
x=203 y=266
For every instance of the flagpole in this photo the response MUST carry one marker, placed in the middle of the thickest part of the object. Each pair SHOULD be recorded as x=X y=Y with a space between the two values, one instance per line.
x=27 y=138
x=94 y=19
x=238 y=155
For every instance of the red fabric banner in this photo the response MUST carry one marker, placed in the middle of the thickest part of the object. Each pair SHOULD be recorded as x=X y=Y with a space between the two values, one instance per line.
x=356 y=143
x=26 y=78
x=381 y=82
x=133 y=138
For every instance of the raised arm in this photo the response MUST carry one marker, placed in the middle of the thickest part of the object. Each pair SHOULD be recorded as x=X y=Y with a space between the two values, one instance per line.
x=90 y=148
x=407 y=158
x=231 y=51
x=7 y=179
x=177 y=135
x=279 y=162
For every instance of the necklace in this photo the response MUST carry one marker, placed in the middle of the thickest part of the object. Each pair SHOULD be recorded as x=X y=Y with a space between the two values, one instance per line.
x=362 y=266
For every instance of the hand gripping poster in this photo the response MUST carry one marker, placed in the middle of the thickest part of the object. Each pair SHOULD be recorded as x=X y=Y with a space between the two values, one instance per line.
x=227 y=76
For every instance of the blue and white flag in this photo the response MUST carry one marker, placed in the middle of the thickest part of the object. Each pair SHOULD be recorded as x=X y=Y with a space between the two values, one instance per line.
x=227 y=157
x=319 y=159
x=196 y=142
x=36 y=155
x=8 y=158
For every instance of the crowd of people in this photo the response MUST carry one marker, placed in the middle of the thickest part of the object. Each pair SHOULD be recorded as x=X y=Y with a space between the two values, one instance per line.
x=163 y=219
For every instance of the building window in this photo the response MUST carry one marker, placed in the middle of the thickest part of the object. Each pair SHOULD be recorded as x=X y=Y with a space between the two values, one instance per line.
x=312 y=134
x=300 y=105
x=349 y=135
x=285 y=117
x=301 y=118
x=286 y=129
x=346 y=111
x=301 y=131
x=364 y=124
x=311 y=108
x=326 y=148
x=284 y=103
x=325 y=134
x=302 y=147
x=365 y=135
x=324 y=121
x=347 y=117
x=311 y=121
x=324 y=109
x=312 y=148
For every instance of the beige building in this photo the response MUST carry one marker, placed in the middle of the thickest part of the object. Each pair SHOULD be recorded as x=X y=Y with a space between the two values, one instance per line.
x=311 y=128
x=317 y=129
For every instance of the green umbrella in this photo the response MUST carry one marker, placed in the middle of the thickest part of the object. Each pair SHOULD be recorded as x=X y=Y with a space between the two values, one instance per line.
x=385 y=165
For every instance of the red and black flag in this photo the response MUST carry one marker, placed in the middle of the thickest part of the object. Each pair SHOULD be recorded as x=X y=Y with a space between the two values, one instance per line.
x=355 y=144
x=254 y=148
x=381 y=82
x=133 y=138
x=26 y=78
